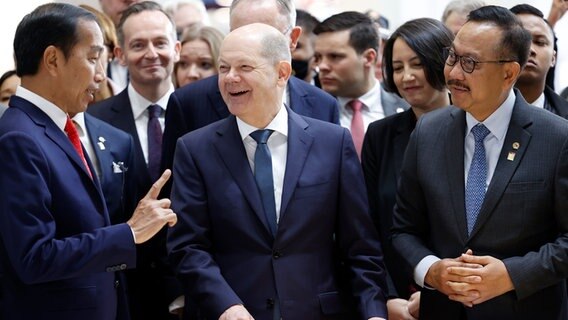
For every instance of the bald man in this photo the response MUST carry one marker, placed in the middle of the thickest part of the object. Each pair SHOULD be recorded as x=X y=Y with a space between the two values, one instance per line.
x=246 y=250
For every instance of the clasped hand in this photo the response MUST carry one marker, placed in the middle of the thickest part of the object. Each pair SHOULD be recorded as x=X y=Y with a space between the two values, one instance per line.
x=470 y=279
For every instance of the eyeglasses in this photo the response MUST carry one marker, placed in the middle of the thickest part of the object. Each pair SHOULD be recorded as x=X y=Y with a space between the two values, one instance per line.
x=467 y=63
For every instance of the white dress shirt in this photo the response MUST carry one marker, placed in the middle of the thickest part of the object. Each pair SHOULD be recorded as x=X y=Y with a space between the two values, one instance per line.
x=79 y=121
x=372 y=109
x=278 y=146
x=140 y=106
x=498 y=124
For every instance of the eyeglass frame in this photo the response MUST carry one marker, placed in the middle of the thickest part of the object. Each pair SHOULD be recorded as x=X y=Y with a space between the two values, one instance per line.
x=448 y=50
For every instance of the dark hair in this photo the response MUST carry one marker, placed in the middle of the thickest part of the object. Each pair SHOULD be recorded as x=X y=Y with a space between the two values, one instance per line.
x=427 y=38
x=7 y=75
x=138 y=8
x=305 y=20
x=363 y=33
x=516 y=40
x=528 y=9
x=52 y=24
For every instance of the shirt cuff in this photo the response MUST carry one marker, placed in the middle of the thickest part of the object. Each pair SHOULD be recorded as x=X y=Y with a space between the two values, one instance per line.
x=178 y=303
x=422 y=268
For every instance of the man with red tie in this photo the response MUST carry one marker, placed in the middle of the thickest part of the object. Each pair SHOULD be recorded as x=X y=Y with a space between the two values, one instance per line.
x=59 y=255
x=346 y=52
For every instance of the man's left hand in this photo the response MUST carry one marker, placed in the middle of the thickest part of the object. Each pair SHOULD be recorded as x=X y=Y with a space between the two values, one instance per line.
x=495 y=279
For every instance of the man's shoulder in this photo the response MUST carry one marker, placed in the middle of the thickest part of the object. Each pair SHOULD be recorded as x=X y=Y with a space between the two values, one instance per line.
x=301 y=87
x=93 y=123
x=107 y=106
x=199 y=88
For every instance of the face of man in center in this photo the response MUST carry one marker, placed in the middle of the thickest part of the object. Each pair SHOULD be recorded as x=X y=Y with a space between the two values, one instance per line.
x=251 y=83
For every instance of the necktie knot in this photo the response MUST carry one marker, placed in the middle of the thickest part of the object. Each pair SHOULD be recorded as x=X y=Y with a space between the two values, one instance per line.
x=261 y=136
x=356 y=105
x=154 y=111
x=479 y=132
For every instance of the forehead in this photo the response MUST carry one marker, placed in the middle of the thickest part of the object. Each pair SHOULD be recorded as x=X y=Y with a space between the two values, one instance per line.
x=236 y=49
x=478 y=40
x=89 y=33
x=535 y=25
x=265 y=12
x=333 y=41
x=147 y=23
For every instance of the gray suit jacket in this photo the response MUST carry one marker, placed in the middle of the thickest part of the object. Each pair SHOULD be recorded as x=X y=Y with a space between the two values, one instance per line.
x=522 y=221
x=392 y=103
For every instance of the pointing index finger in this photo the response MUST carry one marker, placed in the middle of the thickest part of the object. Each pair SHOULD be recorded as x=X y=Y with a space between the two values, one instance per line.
x=157 y=186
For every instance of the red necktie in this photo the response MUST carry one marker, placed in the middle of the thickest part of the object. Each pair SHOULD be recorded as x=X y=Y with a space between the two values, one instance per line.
x=357 y=126
x=73 y=136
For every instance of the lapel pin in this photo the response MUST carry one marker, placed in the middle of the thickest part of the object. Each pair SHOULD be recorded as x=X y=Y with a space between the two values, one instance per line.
x=516 y=145
x=118 y=167
x=511 y=156
x=101 y=143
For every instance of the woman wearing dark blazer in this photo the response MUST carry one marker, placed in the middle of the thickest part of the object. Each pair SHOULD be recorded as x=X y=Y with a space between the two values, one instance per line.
x=413 y=65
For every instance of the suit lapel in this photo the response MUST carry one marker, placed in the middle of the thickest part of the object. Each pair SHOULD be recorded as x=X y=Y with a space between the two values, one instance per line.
x=299 y=99
x=299 y=143
x=454 y=153
x=403 y=129
x=505 y=168
x=94 y=134
x=232 y=152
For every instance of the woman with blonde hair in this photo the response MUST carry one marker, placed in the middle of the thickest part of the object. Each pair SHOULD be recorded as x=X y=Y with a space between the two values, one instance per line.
x=198 y=57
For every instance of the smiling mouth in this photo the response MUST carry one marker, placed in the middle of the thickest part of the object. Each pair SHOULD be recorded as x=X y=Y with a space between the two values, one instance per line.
x=238 y=93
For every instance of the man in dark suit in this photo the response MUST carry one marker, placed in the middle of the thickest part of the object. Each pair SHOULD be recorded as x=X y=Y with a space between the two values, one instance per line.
x=247 y=248
x=58 y=252
x=542 y=58
x=346 y=52
x=199 y=104
x=111 y=152
x=149 y=48
x=481 y=204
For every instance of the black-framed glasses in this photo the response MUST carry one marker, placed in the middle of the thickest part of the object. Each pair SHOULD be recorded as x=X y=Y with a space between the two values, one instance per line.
x=467 y=63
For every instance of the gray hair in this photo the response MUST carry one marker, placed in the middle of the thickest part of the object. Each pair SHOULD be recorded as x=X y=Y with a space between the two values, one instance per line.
x=286 y=8
x=275 y=48
x=462 y=7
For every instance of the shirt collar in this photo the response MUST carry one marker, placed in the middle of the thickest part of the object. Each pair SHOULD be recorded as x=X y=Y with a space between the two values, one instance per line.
x=539 y=102
x=371 y=99
x=498 y=121
x=55 y=113
x=79 y=120
x=278 y=124
x=140 y=104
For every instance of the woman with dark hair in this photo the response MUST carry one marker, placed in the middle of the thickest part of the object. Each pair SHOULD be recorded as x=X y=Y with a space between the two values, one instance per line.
x=413 y=68
x=9 y=81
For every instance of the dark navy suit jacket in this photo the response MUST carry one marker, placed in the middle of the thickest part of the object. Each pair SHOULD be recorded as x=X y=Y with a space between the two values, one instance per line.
x=199 y=104
x=223 y=249
x=58 y=251
x=152 y=286
x=114 y=150
x=522 y=221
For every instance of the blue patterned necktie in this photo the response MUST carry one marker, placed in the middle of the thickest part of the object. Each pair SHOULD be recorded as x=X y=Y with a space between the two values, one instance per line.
x=154 y=141
x=477 y=177
x=263 y=176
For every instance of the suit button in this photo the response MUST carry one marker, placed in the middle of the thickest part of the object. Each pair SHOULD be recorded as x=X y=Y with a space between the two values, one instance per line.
x=270 y=303
x=122 y=266
x=276 y=254
x=116 y=284
x=109 y=269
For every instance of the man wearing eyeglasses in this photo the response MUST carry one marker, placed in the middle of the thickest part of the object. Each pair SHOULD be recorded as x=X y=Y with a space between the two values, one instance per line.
x=483 y=194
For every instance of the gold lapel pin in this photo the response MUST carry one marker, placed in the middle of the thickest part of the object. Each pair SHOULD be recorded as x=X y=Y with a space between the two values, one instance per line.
x=511 y=156
x=516 y=145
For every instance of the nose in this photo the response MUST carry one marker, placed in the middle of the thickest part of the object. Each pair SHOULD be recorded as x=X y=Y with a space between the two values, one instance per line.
x=322 y=65
x=232 y=76
x=100 y=74
x=532 y=52
x=151 y=52
x=408 y=75
x=193 y=72
x=454 y=72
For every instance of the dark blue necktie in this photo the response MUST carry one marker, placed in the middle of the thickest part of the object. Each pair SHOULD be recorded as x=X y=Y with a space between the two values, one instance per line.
x=477 y=177
x=154 y=141
x=263 y=176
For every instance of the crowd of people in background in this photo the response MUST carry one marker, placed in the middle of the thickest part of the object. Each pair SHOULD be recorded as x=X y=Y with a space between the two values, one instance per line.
x=289 y=168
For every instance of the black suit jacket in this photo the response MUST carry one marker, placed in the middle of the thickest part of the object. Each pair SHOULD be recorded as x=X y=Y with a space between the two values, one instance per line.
x=198 y=104
x=557 y=104
x=114 y=150
x=382 y=154
x=522 y=221
x=151 y=286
